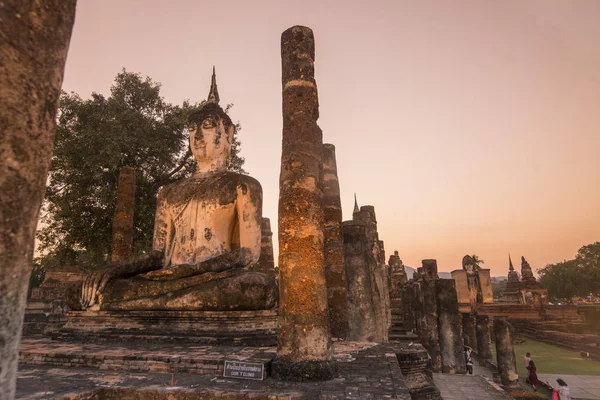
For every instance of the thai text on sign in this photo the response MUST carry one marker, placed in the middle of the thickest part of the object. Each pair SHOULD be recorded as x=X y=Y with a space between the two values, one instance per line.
x=244 y=370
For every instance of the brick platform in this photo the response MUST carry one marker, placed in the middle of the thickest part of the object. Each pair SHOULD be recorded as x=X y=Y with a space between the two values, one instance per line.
x=139 y=357
x=367 y=371
x=254 y=328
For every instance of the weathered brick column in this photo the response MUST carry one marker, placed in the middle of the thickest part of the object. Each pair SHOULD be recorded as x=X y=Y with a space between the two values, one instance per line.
x=361 y=308
x=335 y=273
x=374 y=259
x=450 y=332
x=303 y=339
x=429 y=314
x=122 y=225
x=266 y=261
x=34 y=39
x=409 y=306
x=469 y=332
x=484 y=339
x=505 y=352
x=386 y=279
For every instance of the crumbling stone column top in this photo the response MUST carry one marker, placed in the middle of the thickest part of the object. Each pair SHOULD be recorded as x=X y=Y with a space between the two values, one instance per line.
x=430 y=269
x=298 y=56
x=266 y=226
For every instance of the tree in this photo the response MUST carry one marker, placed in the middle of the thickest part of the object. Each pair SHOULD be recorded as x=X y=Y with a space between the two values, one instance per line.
x=34 y=39
x=134 y=126
x=577 y=277
x=477 y=262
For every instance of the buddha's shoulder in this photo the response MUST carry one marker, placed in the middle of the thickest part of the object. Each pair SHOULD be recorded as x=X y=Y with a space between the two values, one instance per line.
x=242 y=181
x=227 y=181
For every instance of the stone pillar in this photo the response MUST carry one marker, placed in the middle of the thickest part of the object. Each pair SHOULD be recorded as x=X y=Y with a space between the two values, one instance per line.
x=485 y=285
x=429 y=316
x=386 y=283
x=408 y=308
x=416 y=301
x=398 y=275
x=303 y=338
x=122 y=225
x=266 y=261
x=335 y=272
x=396 y=284
x=33 y=48
x=366 y=263
x=361 y=313
x=462 y=289
x=505 y=352
x=450 y=332
x=469 y=330
x=484 y=340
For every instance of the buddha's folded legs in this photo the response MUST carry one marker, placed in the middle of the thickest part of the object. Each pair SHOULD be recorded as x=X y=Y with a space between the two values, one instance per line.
x=229 y=290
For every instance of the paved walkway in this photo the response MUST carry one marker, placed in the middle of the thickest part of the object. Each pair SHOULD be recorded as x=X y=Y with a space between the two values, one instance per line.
x=467 y=387
x=582 y=386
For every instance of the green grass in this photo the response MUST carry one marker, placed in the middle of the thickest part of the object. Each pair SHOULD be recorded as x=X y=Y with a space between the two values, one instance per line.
x=551 y=359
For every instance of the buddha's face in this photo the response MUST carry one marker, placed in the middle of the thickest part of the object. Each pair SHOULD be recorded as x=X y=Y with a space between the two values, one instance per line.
x=210 y=141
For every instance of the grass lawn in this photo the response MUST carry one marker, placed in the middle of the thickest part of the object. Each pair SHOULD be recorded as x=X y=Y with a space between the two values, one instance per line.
x=551 y=359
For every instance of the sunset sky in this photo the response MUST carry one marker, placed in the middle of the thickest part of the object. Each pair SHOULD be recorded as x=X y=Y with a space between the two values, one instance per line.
x=471 y=126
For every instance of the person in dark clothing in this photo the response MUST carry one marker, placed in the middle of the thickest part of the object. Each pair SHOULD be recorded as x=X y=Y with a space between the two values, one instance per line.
x=532 y=379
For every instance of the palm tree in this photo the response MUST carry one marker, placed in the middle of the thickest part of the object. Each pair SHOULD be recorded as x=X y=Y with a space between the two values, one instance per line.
x=477 y=261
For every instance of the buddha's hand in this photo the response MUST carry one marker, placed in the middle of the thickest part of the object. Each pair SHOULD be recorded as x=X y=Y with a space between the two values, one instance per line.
x=94 y=284
x=171 y=273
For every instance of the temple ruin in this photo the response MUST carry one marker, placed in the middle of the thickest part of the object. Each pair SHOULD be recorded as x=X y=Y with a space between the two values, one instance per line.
x=335 y=270
x=122 y=225
x=303 y=338
x=366 y=273
x=332 y=305
x=524 y=290
x=473 y=285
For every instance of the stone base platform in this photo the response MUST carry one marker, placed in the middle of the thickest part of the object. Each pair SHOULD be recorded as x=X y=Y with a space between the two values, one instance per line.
x=366 y=371
x=246 y=328
x=139 y=357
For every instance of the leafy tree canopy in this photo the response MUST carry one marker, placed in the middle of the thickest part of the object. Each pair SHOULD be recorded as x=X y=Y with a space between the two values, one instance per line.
x=134 y=126
x=577 y=277
x=477 y=261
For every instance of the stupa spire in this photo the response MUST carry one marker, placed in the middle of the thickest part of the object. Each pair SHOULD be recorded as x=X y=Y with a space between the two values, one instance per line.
x=213 y=95
x=510 y=264
x=356 y=209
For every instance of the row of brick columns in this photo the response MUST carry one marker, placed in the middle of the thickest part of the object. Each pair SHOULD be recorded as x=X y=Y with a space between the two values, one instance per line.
x=312 y=263
x=431 y=308
x=478 y=335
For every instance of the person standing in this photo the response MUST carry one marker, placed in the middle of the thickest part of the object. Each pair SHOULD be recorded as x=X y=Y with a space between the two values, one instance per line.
x=533 y=378
x=469 y=360
x=563 y=391
x=527 y=359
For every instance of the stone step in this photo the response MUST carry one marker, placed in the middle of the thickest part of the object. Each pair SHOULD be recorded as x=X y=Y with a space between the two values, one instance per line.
x=199 y=360
x=404 y=337
x=206 y=338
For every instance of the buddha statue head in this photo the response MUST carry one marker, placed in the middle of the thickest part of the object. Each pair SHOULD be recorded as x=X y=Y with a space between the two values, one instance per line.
x=468 y=264
x=211 y=133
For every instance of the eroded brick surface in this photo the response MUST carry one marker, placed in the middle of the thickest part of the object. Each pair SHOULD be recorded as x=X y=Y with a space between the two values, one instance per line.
x=366 y=371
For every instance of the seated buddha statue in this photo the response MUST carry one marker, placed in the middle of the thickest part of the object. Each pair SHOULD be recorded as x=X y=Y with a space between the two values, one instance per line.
x=207 y=235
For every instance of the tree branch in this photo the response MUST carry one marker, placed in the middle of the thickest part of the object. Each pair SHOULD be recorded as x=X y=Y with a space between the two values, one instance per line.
x=176 y=170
